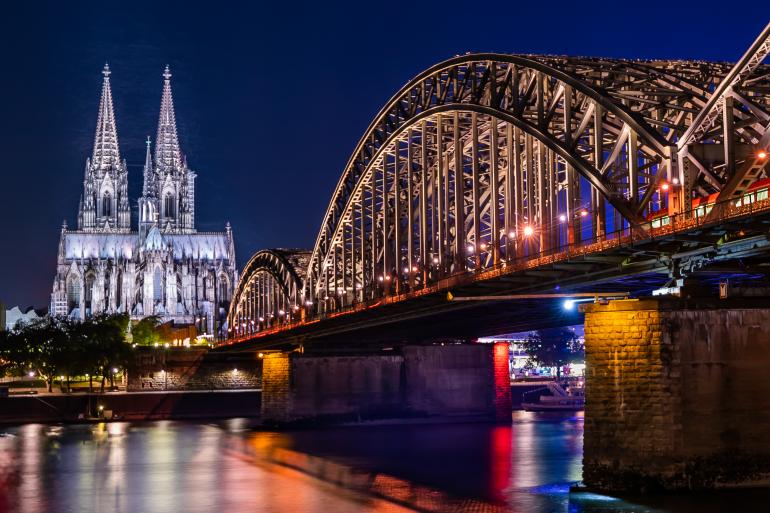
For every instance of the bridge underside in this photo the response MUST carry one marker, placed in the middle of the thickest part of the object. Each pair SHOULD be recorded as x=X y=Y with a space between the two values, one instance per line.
x=736 y=251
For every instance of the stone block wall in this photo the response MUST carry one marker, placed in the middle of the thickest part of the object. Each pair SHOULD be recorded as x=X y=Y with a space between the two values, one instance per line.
x=423 y=381
x=276 y=386
x=450 y=380
x=677 y=394
x=159 y=369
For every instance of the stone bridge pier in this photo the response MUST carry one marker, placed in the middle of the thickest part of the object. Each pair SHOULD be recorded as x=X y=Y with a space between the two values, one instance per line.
x=677 y=394
x=452 y=382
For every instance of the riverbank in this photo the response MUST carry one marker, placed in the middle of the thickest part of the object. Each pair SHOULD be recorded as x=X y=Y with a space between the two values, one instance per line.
x=170 y=405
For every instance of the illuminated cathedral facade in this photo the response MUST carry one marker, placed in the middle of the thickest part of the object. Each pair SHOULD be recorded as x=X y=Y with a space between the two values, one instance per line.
x=164 y=267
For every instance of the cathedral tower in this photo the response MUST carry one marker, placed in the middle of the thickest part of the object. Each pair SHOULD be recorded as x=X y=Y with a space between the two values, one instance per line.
x=104 y=205
x=168 y=194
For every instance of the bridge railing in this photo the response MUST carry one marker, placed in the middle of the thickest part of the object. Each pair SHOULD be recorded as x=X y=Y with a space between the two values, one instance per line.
x=718 y=213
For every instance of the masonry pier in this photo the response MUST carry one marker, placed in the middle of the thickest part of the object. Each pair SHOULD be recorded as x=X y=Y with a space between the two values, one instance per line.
x=457 y=382
x=677 y=394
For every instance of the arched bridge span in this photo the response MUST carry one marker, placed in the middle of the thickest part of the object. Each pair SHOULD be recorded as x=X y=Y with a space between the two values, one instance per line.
x=489 y=161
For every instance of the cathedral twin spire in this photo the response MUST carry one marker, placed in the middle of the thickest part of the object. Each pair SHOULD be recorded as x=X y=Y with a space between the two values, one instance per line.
x=106 y=150
x=168 y=185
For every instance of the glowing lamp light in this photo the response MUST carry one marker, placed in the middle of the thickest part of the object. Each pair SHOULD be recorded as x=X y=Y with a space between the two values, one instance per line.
x=165 y=345
x=675 y=181
x=512 y=234
x=569 y=304
x=261 y=355
x=435 y=260
x=243 y=325
x=101 y=407
x=406 y=270
x=31 y=374
x=414 y=268
x=281 y=312
x=235 y=371
x=381 y=278
x=114 y=370
x=483 y=245
x=664 y=187
x=261 y=319
x=387 y=278
x=528 y=231
x=470 y=248
x=309 y=303
x=562 y=218
x=762 y=155
x=583 y=213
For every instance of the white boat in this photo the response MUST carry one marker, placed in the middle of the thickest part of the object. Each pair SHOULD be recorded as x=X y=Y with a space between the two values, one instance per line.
x=559 y=399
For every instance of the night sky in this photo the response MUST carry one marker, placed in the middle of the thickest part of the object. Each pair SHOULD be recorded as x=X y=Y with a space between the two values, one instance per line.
x=270 y=98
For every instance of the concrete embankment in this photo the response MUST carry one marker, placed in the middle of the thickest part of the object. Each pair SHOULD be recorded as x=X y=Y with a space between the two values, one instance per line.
x=131 y=406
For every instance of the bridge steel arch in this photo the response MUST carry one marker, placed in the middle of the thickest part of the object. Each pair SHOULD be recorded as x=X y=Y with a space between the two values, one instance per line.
x=486 y=158
x=489 y=159
x=269 y=291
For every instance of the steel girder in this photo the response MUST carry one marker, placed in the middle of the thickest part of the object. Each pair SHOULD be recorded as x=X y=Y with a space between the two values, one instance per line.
x=556 y=136
x=486 y=159
x=270 y=289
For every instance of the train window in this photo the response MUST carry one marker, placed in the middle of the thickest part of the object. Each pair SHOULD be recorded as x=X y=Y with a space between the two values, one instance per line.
x=700 y=211
x=665 y=221
x=761 y=194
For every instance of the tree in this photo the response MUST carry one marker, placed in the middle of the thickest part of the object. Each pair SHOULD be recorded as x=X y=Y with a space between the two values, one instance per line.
x=145 y=332
x=554 y=347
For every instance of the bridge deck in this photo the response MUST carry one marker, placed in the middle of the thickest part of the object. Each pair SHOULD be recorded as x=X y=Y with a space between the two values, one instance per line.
x=728 y=243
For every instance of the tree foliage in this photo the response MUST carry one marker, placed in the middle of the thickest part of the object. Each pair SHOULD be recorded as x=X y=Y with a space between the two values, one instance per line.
x=57 y=346
x=554 y=347
x=145 y=332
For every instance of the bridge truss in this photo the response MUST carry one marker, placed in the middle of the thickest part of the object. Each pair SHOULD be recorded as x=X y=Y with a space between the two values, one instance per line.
x=489 y=160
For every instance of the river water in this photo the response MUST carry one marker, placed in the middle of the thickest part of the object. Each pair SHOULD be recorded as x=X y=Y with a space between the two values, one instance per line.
x=227 y=467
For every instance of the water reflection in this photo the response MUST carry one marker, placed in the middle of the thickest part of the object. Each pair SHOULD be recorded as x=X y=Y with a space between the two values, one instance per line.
x=527 y=466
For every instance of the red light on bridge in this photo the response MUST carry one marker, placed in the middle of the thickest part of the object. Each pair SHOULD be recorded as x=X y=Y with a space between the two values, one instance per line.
x=664 y=187
x=762 y=155
x=583 y=213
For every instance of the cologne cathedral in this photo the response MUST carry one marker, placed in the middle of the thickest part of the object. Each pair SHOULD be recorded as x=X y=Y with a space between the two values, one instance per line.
x=165 y=267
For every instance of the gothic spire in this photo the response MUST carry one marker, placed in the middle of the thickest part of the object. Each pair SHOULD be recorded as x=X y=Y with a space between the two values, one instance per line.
x=148 y=188
x=167 y=153
x=106 y=152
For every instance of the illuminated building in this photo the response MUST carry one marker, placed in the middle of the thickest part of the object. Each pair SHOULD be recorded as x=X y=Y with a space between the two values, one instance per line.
x=166 y=267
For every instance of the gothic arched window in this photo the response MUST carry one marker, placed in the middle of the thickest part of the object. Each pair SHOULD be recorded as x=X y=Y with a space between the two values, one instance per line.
x=157 y=285
x=73 y=293
x=223 y=295
x=89 y=289
x=106 y=205
x=168 y=205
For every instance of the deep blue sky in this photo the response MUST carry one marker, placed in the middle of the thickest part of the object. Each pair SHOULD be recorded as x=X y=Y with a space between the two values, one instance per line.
x=270 y=98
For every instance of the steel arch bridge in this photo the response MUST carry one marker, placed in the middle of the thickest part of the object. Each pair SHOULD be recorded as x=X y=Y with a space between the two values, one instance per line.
x=488 y=161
